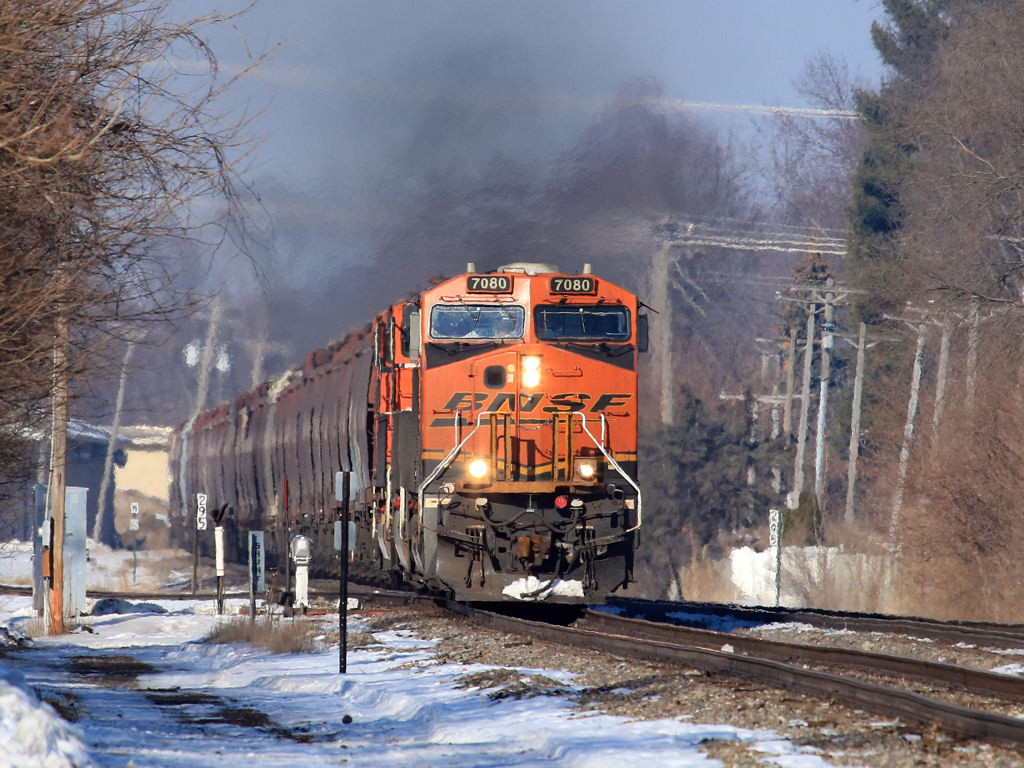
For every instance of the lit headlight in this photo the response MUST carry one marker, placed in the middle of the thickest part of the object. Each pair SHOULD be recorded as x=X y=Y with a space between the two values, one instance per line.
x=478 y=468
x=586 y=469
x=531 y=371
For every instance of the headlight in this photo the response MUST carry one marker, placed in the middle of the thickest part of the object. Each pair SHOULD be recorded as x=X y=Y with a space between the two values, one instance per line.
x=478 y=468
x=531 y=371
x=586 y=469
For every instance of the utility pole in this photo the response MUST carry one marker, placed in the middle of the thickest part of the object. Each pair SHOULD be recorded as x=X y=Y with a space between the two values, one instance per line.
x=858 y=390
x=862 y=345
x=972 y=353
x=773 y=401
x=805 y=405
x=58 y=477
x=662 y=332
x=908 y=436
x=826 y=295
x=787 y=414
x=826 y=373
x=940 y=384
x=206 y=355
x=108 y=462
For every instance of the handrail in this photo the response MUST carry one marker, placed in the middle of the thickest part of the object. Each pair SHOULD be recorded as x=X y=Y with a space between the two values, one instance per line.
x=614 y=463
x=447 y=460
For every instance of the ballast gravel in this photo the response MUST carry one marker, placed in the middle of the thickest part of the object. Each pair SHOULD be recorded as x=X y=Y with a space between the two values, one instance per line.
x=640 y=690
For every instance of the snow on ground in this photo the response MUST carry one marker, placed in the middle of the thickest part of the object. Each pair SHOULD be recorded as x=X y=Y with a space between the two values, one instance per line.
x=403 y=711
x=202 y=704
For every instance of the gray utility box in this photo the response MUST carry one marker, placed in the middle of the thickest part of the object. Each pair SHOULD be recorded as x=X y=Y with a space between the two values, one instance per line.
x=74 y=550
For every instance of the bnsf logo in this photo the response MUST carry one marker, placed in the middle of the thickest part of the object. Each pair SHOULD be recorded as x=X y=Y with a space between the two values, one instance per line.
x=565 y=401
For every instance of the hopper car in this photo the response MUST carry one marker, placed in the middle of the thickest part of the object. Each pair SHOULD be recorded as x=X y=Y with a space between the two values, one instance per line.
x=488 y=426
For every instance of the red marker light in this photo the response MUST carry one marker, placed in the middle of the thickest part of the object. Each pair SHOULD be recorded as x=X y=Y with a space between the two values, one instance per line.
x=561 y=502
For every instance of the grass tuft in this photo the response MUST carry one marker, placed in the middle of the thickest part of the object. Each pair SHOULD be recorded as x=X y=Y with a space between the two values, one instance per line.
x=275 y=636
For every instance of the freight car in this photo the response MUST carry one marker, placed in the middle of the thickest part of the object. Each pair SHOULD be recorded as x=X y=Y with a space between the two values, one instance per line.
x=489 y=426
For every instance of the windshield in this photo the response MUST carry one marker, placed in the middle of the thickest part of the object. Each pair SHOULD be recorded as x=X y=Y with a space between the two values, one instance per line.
x=591 y=323
x=475 y=321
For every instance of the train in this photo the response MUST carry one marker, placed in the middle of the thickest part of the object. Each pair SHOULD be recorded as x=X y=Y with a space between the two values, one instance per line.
x=484 y=429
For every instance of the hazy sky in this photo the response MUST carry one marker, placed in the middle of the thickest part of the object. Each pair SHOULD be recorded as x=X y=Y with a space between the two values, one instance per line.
x=338 y=96
x=367 y=102
x=385 y=121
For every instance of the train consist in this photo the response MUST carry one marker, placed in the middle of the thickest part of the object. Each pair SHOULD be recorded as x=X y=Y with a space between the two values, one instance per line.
x=488 y=426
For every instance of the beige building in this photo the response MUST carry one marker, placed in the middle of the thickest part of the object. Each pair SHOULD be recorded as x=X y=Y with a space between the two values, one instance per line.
x=144 y=480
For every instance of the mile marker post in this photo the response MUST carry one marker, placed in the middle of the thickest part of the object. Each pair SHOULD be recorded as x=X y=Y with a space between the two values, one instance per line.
x=257 y=570
x=200 y=526
x=775 y=524
x=341 y=493
x=133 y=526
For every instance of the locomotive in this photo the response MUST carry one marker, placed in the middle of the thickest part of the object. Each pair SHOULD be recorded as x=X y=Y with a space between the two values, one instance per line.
x=488 y=426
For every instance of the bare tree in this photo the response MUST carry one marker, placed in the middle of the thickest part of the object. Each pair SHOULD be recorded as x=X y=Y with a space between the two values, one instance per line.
x=111 y=151
x=965 y=233
x=810 y=161
x=962 y=268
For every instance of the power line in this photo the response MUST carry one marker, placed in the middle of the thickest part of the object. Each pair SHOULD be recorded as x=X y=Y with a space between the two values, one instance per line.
x=681 y=105
x=759 y=244
x=809 y=229
x=751 y=237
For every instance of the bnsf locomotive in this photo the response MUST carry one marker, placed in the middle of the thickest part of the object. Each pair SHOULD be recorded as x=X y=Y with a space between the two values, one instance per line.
x=490 y=428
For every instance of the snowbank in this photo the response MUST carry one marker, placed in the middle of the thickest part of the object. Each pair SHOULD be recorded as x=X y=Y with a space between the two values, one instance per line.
x=32 y=735
x=811 y=577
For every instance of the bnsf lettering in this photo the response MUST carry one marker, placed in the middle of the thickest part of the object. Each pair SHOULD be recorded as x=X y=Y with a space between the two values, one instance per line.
x=529 y=403
x=564 y=401
x=567 y=402
x=466 y=401
x=610 y=401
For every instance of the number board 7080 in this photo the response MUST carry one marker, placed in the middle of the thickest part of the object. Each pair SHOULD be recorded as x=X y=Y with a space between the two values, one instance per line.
x=489 y=284
x=573 y=285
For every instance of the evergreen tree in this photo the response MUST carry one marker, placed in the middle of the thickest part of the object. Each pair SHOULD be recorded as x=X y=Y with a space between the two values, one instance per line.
x=695 y=479
x=915 y=29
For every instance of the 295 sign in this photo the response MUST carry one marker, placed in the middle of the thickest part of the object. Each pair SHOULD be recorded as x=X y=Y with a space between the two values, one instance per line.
x=200 y=511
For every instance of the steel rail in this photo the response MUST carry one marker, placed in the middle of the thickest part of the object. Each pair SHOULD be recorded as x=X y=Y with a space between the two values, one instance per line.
x=909 y=707
x=1002 y=635
x=964 y=678
x=355 y=590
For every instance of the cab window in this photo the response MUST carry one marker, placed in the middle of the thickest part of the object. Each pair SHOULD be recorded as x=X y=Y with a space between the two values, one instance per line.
x=477 y=321
x=588 y=323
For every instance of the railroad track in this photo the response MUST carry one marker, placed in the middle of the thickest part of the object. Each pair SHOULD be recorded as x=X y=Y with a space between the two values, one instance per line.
x=976 y=632
x=762 y=661
x=355 y=590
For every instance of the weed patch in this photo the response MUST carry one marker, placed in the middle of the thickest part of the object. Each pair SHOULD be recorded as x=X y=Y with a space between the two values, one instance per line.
x=275 y=636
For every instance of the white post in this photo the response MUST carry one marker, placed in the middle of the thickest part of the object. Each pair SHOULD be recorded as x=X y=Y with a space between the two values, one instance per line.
x=218 y=549
x=940 y=384
x=858 y=390
x=301 y=586
x=972 y=353
x=826 y=373
x=661 y=300
x=801 y=438
x=302 y=554
x=908 y=436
